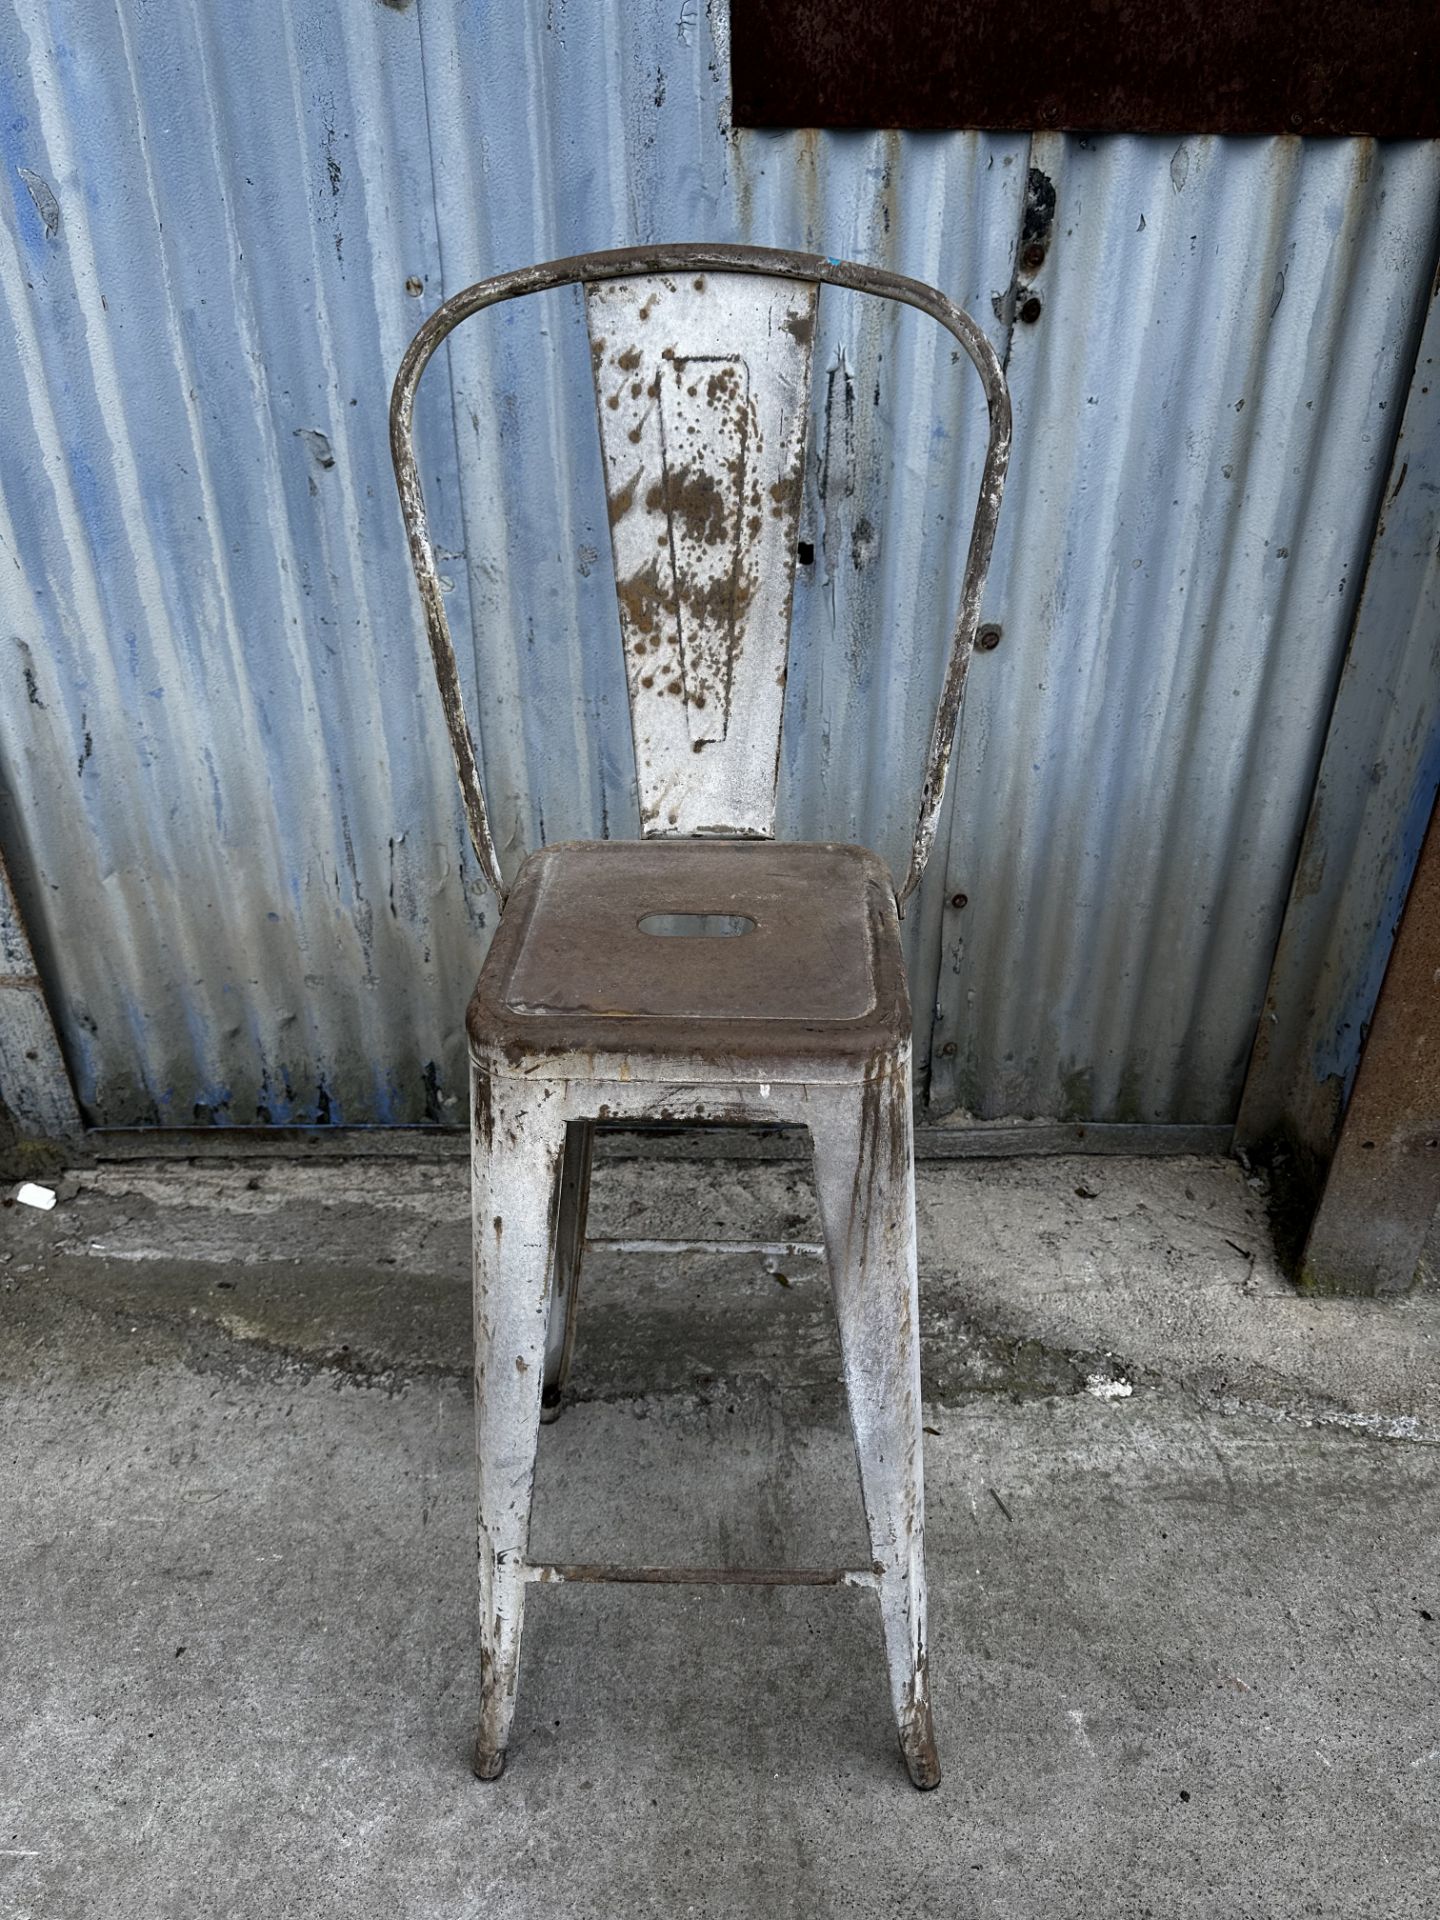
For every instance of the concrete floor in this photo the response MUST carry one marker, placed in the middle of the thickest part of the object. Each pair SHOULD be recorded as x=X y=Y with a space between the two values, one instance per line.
x=1182 y=1535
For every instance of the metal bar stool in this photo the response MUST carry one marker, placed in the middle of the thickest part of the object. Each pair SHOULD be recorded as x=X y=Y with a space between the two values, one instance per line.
x=787 y=1002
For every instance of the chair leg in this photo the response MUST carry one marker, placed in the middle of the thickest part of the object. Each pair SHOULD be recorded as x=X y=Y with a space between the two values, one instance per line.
x=569 y=1248
x=517 y=1145
x=865 y=1174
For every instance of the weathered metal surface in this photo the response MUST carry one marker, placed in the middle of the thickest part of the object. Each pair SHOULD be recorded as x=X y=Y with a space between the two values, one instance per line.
x=736 y=783
x=821 y=976
x=226 y=800
x=253 y=898
x=518 y=1149
x=702 y=387
x=571 y=1212
x=587 y=1573
x=35 y=1094
x=1201 y=445
x=1383 y=1188
x=864 y=1165
x=1137 y=66
x=806 y=954
x=771 y=1250
x=1377 y=785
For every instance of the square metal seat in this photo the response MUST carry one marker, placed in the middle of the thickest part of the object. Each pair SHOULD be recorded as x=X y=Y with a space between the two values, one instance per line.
x=738 y=949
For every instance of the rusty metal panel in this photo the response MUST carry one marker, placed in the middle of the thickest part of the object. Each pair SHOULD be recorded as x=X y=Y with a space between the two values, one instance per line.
x=1377 y=784
x=702 y=391
x=1160 y=66
x=225 y=790
x=1383 y=1186
x=807 y=971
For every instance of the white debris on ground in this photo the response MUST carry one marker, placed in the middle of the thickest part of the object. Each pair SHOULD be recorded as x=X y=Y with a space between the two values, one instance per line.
x=1105 y=1388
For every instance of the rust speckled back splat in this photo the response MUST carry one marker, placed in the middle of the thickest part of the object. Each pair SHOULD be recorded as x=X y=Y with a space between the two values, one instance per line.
x=702 y=389
x=715 y=589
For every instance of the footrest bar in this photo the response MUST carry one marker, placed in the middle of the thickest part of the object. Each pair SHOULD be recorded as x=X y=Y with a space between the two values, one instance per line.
x=771 y=1249
x=707 y=1576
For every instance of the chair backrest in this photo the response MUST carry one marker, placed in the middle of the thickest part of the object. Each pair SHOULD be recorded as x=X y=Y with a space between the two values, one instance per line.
x=701 y=359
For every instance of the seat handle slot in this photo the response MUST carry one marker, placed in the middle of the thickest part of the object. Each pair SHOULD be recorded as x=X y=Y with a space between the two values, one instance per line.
x=696 y=926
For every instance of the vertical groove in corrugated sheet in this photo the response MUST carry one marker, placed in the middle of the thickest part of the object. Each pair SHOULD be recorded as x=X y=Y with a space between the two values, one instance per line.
x=1204 y=415
x=224 y=788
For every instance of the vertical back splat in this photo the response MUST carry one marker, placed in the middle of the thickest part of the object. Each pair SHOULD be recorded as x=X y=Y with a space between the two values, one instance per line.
x=702 y=386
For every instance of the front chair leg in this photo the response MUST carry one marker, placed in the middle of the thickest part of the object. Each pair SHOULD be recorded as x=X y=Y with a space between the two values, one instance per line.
x=517 y=1141
x=865 y=1176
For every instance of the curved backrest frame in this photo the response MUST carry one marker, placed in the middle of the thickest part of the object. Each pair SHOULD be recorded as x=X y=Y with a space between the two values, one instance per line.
x=635 y=263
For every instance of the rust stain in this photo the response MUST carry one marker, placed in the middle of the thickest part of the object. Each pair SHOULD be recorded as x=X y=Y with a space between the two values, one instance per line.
x=692 y=496
x=620 y=503
x=482 y=1110
x=801 y=326
x=642 y=600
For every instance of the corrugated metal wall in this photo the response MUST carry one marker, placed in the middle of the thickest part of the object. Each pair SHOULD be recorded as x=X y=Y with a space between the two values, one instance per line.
x=1205 y=413
x=224 y=790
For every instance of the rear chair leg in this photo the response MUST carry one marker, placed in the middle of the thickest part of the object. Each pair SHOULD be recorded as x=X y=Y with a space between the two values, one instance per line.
x=865 y=1174
x=516 y=1146
x=569 y=1248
